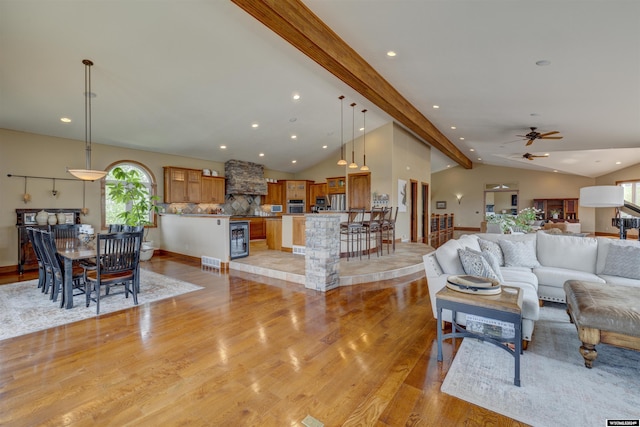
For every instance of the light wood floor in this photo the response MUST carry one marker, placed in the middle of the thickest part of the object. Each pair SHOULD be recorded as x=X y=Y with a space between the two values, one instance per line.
x=243 y=351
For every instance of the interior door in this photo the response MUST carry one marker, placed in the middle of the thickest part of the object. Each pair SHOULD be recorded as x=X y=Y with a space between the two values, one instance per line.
x=414 y=210
x=424 y=211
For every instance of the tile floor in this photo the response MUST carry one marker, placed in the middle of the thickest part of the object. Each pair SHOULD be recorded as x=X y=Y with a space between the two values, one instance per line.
x=405 y=261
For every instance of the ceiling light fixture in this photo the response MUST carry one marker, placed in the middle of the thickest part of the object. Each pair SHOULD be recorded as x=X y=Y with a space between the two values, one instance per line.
x=353 y=164
x=391 y=54
x=294 y=136
x=223 y=147
x=364 y=146
x=254 y=125
x=296 y=96
x=453 y=127
x=65 y=120
x=342 y=161
x=436 y=106
x=87 y=174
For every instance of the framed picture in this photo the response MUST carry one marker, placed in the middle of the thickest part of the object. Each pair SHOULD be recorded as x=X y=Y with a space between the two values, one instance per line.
x=514 y=200
x=30 y=218
x=441 y=205
x=402 y=195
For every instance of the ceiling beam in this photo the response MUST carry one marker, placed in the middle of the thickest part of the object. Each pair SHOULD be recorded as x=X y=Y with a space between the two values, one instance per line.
x=295 y=23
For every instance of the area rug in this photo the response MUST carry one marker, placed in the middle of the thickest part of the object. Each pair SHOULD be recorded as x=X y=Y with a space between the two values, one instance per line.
x=557 y=389
x=25 y=309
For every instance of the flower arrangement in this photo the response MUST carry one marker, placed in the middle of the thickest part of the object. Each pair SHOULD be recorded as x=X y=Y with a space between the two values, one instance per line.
x=526 y=217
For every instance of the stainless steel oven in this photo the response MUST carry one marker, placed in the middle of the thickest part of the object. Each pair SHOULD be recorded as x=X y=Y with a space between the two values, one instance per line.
x=295 y=206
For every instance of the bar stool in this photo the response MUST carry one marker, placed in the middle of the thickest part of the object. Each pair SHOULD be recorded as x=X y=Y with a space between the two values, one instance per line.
x=351 y=232
x=374 y=226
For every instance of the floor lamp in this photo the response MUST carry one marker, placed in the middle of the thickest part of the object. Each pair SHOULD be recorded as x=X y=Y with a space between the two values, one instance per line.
x=604 y=196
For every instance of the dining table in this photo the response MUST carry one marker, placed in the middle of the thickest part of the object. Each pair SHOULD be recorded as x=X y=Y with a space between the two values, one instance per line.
x=70 y=252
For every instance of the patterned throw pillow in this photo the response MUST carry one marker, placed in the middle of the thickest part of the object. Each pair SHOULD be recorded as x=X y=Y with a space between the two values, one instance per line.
x=492 y=248
x=475 y=264
x=519 y=253
x=623 y=261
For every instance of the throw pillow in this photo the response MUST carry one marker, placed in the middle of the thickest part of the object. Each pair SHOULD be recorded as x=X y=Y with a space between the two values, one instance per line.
x=494 y=264
x=519 y=253
x=475 y=264
x=622 y=261
x=492 y=248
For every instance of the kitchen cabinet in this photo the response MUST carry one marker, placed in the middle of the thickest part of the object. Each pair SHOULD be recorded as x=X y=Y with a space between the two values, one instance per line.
x=212 y=189
x=336 y=185
x=299 y=230
x=274 y=233
x=567 y=208
x=297 y=190
x=360 y=190
x=317 y=190
x=257 y=228
x=274 y=194
x=182 y=185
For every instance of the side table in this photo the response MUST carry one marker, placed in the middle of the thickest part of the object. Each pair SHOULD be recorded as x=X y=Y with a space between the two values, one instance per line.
x=505 y=306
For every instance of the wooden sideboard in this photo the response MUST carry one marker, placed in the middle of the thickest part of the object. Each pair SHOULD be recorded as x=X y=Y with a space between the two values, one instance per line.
x=26 y=218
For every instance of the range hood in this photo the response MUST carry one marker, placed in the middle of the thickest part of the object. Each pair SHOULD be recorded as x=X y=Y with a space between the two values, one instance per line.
x=245 y=178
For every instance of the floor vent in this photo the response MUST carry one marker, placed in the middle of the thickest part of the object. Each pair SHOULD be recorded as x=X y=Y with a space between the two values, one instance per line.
x=210 y=262
x=299 y=250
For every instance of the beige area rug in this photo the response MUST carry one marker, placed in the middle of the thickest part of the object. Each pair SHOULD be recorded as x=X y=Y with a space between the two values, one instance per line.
x=25 y=309
x=557 y=389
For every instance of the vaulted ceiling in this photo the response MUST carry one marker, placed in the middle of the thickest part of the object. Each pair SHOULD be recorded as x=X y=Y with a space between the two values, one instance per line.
x=186 y=77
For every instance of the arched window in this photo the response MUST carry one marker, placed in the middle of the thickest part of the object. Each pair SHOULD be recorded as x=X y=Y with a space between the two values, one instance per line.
x=111 y=209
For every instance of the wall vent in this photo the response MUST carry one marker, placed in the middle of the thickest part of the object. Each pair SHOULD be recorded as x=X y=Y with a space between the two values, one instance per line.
x=210 y=262
x=299 y=250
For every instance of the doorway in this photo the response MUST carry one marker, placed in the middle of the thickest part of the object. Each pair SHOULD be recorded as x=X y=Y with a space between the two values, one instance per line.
x=414 y=210
x=424 y=209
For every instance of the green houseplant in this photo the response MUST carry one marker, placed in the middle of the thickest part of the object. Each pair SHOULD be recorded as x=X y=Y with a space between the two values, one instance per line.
x=130 y=193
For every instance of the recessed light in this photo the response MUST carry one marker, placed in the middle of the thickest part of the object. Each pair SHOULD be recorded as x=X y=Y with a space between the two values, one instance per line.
x=546 y=154
x=294 y=136
x=294 y=161
x=472 y=149
x=618 y=163
x=65 y=120
x=254 y=125
x=555 y=170
x=479 y=158
x=448 y=166
x=543 y=63
x=324 y=146
x=462 y=138
x=391 y=54
x=436 y=106
x=453 y=127
x=296 y=96
x=261 y=154
x=223 y=147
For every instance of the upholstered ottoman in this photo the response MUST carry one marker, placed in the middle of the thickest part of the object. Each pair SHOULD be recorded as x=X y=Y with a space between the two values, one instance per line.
x=602 y=313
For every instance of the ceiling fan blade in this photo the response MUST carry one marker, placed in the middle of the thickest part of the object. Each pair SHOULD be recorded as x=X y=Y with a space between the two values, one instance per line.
x=550 y=137
x=529 y=142
x=549 y=133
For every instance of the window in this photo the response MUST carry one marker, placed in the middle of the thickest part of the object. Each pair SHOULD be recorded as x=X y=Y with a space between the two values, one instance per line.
x=631 y=193
x=110 y=209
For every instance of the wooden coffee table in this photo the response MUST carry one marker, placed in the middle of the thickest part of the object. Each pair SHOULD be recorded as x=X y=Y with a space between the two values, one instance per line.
x=506 y=306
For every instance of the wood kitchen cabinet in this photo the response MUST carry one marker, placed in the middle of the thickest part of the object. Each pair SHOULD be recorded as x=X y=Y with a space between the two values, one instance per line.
x=315 y=191
x=274 y=194
x=212 y=189
x=182 y=185
x=297 y=190
x=336 y=185
x=299 y=230
x=274 y=233
x=257 y=229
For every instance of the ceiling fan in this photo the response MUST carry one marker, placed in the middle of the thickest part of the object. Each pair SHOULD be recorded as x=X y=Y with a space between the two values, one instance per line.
x=533 y=135
x=530 y=156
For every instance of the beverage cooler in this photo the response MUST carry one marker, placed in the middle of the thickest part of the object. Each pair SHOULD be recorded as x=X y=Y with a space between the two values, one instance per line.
x=239 y=235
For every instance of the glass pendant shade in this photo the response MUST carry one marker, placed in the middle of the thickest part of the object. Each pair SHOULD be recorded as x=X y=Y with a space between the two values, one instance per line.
x=87 y=174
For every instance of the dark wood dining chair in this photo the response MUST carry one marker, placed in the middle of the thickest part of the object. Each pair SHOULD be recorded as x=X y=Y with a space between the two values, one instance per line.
x=118 y=263
x=42 y=274
x=56 y=266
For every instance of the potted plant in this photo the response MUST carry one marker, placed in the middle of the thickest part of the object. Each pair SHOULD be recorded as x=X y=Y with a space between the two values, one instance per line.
x=555 y=213
x=130 y=191
x=506 y=222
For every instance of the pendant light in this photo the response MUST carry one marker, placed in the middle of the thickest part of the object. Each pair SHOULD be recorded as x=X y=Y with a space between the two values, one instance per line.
x=342 y=161
x=87 y=174
x=364 y=146
x=353 y=164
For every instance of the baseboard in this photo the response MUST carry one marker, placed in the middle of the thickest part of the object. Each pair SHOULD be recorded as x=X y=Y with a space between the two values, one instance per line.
x=476 y=229
x=224 y=266
x=9 y=269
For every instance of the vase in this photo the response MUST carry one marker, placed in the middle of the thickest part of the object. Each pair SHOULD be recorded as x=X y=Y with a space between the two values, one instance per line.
x=62 y=218
x=42 y=217
x=52 y=219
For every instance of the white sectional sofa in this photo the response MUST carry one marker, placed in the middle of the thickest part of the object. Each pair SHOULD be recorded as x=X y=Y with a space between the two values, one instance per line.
x=538 y=263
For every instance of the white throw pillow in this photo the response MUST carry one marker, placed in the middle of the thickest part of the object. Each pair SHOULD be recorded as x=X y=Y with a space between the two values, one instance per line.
x=519 y=254
x=492 y=248
x=623 y=261
x=475 y=264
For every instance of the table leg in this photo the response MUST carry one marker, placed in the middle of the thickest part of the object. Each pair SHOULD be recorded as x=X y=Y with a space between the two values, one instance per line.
x=67 y=283
x=439 y=326
x=517 y=351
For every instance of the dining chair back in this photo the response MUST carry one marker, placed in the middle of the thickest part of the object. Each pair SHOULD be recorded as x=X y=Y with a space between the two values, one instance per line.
x=118 y=262
x=33 y=233
x=116 y=228
x=352 y=232
x=56 y=267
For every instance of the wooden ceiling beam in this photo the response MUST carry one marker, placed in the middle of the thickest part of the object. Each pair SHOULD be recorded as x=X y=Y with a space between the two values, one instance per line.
x=299 y=26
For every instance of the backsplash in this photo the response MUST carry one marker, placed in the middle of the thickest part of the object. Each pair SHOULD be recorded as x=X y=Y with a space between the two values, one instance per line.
x=233 y=205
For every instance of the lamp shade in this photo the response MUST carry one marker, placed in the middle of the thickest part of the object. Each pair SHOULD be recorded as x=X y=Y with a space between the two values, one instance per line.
x=602 y=196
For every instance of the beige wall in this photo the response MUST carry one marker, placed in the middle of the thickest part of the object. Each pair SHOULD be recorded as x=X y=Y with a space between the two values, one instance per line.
x=37 y=155
x=532 y=185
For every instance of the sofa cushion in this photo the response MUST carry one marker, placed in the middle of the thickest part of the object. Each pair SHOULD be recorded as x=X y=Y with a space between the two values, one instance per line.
x=555 y=276
x=447 y=256
x=519 y=275
x=617 y=280
x=623 y=261
x=570 y=252
x=519 y=254
x=476 y=264
x=469 y=241
x=492 y=248
x=530 y=305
